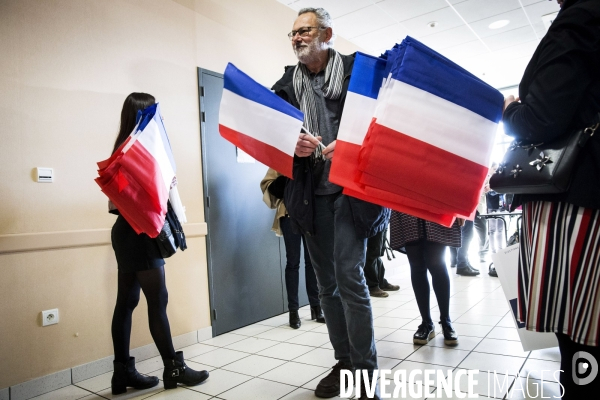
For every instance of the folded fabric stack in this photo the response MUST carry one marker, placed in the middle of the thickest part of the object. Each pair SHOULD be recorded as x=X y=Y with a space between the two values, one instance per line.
x=139 y=178
x=416 y=134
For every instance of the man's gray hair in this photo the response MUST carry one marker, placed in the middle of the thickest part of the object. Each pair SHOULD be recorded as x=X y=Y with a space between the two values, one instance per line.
x=323 y=19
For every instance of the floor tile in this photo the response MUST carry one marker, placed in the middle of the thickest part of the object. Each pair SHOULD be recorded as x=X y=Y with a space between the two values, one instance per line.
x=395 y=350
x=196 y=349
x=552 y=354
x=464 y=342
x=479 y=319
x=279 y=320
x=314 y=339
x=285 y=351
x=504 y=347
x=493 y=362
x=391 y=322
x=488 y=384
x=220 y=381
x=471 y=330
x=253 y=365
x=181 y=393
x=386 y=362
x=258 y=389
x=224 y=340
x=219 y=357
x=403 y=313
x=301 y=394
x=524 y=388
x=401 y=336
x=319 y=357
x=251 y=345
x=504 y=333
x=96 y=383
x=149 y=365
x=67 y=393
x=409 y=366
x=132 y=394
x=321 y=329
x=380 y=333
x=293 y=373
x=439 y=356
x=540 y=369
x=279 y=334
x=252 y=330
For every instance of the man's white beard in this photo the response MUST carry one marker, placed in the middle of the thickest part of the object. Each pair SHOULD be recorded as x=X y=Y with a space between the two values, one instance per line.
x=309 y=54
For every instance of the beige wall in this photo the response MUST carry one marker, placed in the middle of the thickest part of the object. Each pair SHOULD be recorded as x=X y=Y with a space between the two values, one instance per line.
x=65 y=69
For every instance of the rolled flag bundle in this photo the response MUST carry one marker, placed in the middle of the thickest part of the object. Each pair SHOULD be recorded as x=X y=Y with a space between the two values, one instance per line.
x=258 y=121
x=139 y=177
x=426 y=150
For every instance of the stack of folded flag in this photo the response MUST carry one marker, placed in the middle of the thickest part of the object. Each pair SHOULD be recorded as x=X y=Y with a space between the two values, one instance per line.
x=416 y=134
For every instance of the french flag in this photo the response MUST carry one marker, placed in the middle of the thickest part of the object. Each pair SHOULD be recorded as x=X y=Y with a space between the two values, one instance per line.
x=137 y=178
x=432 y=137
x=258 y=121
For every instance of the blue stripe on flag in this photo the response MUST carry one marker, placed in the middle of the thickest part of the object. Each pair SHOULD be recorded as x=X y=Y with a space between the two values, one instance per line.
x=241 y=84
x=146 y=116
x=367 y=75
x=430 y=71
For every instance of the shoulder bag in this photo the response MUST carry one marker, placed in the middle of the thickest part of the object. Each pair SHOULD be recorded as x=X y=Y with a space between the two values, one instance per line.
x=541 y=168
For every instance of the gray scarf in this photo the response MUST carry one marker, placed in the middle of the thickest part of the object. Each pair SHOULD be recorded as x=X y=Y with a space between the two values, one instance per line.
x=332 y=89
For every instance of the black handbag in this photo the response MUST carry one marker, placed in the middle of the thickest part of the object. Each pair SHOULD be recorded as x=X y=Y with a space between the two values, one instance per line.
x=166 y=241
x=540 y=168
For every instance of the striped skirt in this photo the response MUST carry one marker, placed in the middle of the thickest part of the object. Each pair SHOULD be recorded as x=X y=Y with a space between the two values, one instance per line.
x=559 y=270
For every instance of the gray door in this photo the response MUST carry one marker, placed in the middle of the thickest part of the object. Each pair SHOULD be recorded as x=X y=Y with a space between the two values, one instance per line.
x=245 y=258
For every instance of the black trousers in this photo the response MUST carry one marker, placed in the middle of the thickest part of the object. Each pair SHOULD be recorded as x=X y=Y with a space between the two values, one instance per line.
x=374 y=270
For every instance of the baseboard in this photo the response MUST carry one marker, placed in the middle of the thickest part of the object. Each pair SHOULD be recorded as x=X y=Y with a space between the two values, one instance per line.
x=39 y=386
x=57 y=380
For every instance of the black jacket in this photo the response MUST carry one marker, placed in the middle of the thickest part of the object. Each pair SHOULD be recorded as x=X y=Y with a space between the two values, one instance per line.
x=560 y=92
x=299 y=196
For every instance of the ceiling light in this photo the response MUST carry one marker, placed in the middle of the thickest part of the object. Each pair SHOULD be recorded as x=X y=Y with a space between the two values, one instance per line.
x=499 y=24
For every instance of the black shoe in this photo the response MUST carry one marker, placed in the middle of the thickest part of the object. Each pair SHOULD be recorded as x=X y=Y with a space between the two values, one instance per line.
x=330 y=385
x=363 y=393
x=466 y=269
x=316 y=313
x=177 y=372
x=376 y=292
x=125 y=375
x=492 y=271
x=294 y=319
x=450 y=336
x=424 y=334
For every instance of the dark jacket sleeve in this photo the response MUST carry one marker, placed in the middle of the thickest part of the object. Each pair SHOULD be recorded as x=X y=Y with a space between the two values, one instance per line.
x=559 y=81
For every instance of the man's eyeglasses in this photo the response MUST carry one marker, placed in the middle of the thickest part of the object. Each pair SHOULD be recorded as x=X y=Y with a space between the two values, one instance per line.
x=303 y=32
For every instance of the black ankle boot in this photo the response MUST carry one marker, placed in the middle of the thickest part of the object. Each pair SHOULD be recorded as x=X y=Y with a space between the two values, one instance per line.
x=177 y=372
x=125 y=375
x=450 y=336
x=294 y=319
x=316 y=313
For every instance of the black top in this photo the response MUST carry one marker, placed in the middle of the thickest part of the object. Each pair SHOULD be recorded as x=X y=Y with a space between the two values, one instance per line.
x=560 y=92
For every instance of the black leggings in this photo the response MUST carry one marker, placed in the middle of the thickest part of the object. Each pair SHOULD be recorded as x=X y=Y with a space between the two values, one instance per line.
x=568 y=348
x=423 y=256
x=152 y=282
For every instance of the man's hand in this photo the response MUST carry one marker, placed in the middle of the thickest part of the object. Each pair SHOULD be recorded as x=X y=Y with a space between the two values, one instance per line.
x=328 y=151
x=306 y=145
x=508 y=100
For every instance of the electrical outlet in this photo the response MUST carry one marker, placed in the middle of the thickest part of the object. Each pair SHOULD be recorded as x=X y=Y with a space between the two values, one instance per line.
x=50 y=317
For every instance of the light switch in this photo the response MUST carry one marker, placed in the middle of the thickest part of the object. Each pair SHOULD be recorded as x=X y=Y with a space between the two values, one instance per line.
x=45 y=175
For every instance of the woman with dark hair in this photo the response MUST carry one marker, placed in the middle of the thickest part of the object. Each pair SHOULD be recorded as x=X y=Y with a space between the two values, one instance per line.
x=425 y=245
x=559 y=262
x=141 y=267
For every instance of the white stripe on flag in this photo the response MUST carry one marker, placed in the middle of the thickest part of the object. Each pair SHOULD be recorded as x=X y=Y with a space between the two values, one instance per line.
x=358 y=113
x=441 y=123
x=260 y=122
x=151 y=140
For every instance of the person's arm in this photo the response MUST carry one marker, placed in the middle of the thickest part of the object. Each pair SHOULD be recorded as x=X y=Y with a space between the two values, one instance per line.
x=560 y=81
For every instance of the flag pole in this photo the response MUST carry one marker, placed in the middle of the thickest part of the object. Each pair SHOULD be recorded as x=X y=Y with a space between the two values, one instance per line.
x=307 y=131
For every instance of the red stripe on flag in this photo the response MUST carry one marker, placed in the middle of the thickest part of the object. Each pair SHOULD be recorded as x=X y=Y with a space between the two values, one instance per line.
x=344 y=165
x=266 y=154
x=401 y=160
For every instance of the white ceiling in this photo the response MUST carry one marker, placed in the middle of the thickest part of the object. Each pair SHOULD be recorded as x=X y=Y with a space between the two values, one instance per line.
x=462 y=33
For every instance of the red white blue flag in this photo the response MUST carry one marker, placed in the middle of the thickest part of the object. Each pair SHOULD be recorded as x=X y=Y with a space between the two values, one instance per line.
x=258 y=121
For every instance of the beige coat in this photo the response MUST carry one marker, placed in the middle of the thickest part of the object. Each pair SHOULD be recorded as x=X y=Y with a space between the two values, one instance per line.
x=272 y=201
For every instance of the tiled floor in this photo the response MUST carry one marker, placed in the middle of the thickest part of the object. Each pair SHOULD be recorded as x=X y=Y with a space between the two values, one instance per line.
x=269 y=360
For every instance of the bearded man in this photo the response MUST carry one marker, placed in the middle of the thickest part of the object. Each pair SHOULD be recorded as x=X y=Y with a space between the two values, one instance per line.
x=336 y=226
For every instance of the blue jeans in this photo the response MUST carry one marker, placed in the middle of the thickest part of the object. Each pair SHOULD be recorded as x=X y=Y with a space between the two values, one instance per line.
x=460 y=255
x=293 y=243
x=338 y=257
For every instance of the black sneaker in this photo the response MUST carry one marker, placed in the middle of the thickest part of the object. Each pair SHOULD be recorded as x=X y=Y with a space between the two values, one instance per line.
x=424 y=334
x=450 y=336
x=330 y=385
